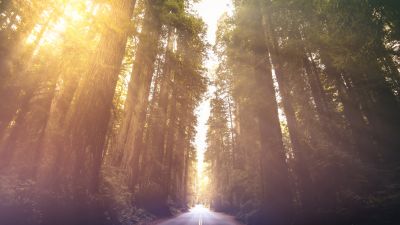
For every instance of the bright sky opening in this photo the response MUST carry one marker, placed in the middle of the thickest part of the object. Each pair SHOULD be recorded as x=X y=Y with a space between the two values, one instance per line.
x=210 y=11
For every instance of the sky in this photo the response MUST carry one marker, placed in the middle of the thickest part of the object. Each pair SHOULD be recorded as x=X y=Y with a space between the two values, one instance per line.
x=210 y=11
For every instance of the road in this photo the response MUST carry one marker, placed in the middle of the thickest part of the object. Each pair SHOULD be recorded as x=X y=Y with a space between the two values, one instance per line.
x=201 y=216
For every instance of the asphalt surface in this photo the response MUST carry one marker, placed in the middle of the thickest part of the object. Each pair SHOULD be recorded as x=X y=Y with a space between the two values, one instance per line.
x=200 y=216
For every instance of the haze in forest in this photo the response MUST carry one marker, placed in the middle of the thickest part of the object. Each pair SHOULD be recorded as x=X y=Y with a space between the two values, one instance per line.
x=257 y=112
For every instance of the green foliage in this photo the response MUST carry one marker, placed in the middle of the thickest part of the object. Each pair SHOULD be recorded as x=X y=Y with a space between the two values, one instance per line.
x=326 y=71
x=331 y=68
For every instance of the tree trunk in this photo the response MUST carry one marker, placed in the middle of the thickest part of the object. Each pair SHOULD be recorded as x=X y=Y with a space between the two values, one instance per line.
x=52 y=149
x=170 y=141
x=139 y=88
x=301 y=170
x=277 y=193
x=91 y=112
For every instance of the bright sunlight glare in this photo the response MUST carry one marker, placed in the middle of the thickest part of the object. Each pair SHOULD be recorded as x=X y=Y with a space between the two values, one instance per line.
x=54 y=24
x=199 y=208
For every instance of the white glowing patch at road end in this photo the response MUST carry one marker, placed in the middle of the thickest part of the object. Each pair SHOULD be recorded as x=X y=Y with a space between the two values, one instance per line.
x=199 y=208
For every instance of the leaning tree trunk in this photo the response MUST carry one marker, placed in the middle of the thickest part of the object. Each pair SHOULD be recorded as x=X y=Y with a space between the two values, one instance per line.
x=51 y=144
x=91 y=113
x=14 y=93
x=277 y=192
x=298 y=147
x=159 y=131
x=139 y=90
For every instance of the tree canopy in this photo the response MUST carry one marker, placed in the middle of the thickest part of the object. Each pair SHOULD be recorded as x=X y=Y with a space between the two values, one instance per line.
x=99 y=98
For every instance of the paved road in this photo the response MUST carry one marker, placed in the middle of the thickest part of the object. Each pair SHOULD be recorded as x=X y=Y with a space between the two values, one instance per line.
x=201 y=216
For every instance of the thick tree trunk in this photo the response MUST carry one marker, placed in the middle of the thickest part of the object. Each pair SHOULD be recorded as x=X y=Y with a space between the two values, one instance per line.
x=139 y=89
x=383 y=113
x=298 y=148
x=91 y=113
x=52 y=148
x=360 y=131
x=170 y=143
x=159 y=133
x=277 y=199
x=186 y=172
x=277 y=193
x=144 y=158
x=23 y=143
x=316 y=89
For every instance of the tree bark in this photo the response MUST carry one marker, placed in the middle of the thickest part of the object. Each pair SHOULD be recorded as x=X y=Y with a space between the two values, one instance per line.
x=139 y=89
x=277 y=199
x=91 y=113
x=304 y=179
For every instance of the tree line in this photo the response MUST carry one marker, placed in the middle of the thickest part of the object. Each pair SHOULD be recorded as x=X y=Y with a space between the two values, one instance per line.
x=305 y=125
x=97 y=103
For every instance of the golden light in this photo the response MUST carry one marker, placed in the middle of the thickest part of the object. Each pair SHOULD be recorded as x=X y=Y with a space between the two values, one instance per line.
x=54 y=25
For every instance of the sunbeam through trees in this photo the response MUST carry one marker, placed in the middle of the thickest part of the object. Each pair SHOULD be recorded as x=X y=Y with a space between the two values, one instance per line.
x=102 y=101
